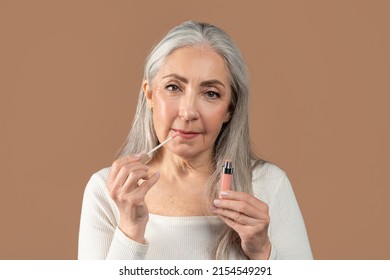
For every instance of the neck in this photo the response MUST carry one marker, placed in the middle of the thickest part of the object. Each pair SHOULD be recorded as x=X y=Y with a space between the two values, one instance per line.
x=180 y=167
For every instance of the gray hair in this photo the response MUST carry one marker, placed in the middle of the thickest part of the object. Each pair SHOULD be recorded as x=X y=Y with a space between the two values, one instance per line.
x=233 y=140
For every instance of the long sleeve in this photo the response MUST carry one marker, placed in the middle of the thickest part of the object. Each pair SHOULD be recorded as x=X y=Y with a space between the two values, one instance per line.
x=287 y=229
x=188 y=237
x=99 y=235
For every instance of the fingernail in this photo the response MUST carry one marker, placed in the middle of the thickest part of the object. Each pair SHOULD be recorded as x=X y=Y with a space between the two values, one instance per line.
x=217 y=202
x=223 y=193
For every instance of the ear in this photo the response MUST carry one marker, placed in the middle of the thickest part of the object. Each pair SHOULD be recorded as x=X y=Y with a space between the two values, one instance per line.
x=148 y=93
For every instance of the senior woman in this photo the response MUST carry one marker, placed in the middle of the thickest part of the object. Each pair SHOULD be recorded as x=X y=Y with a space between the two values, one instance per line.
x=195 y=87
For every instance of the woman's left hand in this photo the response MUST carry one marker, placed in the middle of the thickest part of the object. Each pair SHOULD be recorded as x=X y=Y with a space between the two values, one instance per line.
x=249 y=217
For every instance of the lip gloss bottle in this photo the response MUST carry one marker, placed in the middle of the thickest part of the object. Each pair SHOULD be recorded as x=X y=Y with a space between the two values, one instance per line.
x=227 y=174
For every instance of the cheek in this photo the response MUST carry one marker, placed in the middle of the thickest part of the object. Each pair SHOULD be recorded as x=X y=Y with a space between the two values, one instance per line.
x=213 y=121
x=162 y=107
x=163 y=113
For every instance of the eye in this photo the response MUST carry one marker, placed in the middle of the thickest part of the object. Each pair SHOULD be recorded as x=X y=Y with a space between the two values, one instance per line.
x=172 y=88
x=212 y=95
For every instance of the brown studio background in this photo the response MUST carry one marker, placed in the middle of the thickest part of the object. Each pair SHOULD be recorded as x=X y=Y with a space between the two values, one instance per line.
x=70 y=75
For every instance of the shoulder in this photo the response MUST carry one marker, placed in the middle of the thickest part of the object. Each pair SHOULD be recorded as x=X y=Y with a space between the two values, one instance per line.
x=101 y=175
x=267 y=171
x=267 y=180
x=98 y=209
x=97 y=183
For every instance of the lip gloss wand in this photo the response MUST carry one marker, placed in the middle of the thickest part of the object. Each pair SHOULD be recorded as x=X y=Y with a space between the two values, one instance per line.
x=146 y=157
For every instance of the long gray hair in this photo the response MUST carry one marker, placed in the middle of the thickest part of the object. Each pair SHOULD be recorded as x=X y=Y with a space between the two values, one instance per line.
x=233 y=140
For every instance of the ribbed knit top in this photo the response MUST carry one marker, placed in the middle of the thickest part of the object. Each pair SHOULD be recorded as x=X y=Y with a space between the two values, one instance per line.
x=190 y=237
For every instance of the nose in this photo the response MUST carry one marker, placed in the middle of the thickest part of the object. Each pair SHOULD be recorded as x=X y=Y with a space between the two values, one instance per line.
x=189 y=107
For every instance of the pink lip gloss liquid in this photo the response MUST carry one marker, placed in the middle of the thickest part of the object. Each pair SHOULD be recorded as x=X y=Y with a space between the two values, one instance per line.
x=227 y=174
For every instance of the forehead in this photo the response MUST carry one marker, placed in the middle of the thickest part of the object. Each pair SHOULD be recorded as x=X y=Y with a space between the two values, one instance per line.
x=196 y=62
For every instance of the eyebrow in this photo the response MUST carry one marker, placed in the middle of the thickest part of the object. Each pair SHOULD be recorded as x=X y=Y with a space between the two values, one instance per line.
x=204 y=83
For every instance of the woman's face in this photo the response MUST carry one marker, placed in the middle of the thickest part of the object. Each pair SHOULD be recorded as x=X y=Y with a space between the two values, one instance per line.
x=190 y=95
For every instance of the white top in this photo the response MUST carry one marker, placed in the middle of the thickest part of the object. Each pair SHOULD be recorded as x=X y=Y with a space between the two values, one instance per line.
x=188 y=237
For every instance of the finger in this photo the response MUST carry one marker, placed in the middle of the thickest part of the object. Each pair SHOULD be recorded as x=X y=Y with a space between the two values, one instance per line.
x=249 y=199
x=119 y=163
x=229 y=222
x=124 y=172
x=148 y=184
x=242 y=196
x=116 y=187
x=238 y=217
x=131 y=182
x=242 y=207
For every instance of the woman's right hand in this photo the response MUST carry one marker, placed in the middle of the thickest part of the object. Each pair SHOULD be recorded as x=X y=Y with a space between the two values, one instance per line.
x=129 y=195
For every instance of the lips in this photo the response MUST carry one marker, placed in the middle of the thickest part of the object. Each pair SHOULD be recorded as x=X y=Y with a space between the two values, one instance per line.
x=187 y=134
